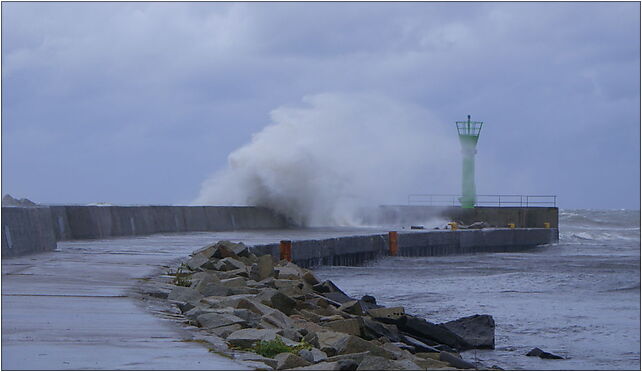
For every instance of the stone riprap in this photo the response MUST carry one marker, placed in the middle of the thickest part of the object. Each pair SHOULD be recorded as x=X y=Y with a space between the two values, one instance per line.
x=250 y=302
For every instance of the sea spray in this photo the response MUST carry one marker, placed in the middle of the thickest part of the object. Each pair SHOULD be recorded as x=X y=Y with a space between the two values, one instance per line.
x=322 y=162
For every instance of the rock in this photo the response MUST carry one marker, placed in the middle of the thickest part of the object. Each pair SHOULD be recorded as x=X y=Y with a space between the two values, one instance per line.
x=406 y=365
x=278 y=320
x=323 y=366
x=10 y=201
x=312 y=339
x=225 y=248
x=330 y=342
x=476 y=330
x=289 y=360
x=357 y=357
x=387 y=312
x=215 y=320
x=195 y=262
x=353 y=344
x=283 y=302
x=225 y=330
x=215 y=290
x=233 y=282
x=418 y=345
x=247 y=337
x=203 y=278
x=543 y=354
x=207 y=251
x=355 y=307
x=330 y=318
x=374 y=329
x=347 y=365
x=230 y=263
x=272 y=363
x=309 y=277
x=232 y=273
x=254 y=306
x=349 y=326
x=288 y=272
x=430 y=364
x=292 y=334
x=370 y=302
x=455 y=361
x=313 y=355
x=427 y=330
x=185 y=294
x=263 y=269
x=376 y=363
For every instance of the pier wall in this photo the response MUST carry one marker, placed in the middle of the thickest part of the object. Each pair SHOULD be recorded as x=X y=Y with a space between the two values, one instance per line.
x=36 y=229
x=356 y=250
x=525 y=217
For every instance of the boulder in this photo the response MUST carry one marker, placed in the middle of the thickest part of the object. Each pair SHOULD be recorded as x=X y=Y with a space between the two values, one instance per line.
x=215 y=320
x=214 y=290
x=357 y=357
x=323 y=366
x=312 y=339
x=430 y=364
x=392 y=313
x=233 y=282
x=455 y=361
x=289 y=360
x=349 y=326
x=309 y=277
x=225 y=248
x=370 y=302
x=288 y=272
x=206 y=251
x=355 y=307
x=232 y=273
x=283 y=302
x=313 y=355
x=330 y=342
x=435 y=332
x=543 y=354
x=184 y=294
x=254 y=306
x=263 y=269
x=329 y=290
x=230 y=263
x=374 y=329
x=347 y=365
x=196 y=261
x=353 y=344
x=406 y=365
x=225 y=330
x=418 y=345
x=247 y=337
x=376 y=363
x=278 y=320
x=476 y=330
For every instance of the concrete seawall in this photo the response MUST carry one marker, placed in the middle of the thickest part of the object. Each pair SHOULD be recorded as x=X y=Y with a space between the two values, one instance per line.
x=36 y=229
x=355 y=250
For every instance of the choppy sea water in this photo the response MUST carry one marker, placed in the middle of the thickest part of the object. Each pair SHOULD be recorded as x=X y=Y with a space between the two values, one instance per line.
x=579 y=298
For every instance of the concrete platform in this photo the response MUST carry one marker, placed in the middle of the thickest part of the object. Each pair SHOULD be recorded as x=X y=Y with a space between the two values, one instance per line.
x=70 y=309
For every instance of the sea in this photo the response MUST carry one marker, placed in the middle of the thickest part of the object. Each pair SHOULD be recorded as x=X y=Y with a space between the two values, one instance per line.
x=579 y=298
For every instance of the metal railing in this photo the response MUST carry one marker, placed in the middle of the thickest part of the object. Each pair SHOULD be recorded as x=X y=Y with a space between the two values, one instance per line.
x=485 y=200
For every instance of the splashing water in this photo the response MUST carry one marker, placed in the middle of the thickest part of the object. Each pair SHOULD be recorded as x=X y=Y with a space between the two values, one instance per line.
x=321 y=163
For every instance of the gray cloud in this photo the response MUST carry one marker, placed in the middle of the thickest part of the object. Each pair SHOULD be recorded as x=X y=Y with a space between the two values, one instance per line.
x=141 y=102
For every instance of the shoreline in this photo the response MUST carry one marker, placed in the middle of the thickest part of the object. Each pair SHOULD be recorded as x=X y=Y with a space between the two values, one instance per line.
x=233 y=301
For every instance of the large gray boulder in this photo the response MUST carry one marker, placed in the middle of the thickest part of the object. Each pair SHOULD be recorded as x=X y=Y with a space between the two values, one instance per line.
x=185 y=294
x=249 y=336
x=263 y=269
x=289 y=360
x=313 y=355
x=374 y=330
x=476 y=330
x=215 y=320
x=435 y=332
x=353 y=344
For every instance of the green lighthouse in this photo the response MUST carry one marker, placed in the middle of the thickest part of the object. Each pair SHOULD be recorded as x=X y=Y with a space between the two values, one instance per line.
x=468 y=135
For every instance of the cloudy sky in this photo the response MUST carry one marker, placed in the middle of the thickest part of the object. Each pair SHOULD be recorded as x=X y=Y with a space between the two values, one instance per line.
x=142 y=102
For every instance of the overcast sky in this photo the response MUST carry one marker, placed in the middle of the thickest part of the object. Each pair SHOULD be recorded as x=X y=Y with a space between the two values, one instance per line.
x=141 y=102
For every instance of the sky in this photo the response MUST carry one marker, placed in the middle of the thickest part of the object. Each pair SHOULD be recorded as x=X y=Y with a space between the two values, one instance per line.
x=143 y=103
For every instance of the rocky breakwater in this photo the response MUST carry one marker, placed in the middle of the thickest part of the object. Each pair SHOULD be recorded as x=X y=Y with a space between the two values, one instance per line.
x=280 y=316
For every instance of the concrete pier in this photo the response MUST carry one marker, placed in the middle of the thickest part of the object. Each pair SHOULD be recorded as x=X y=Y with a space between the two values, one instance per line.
x=356 y=250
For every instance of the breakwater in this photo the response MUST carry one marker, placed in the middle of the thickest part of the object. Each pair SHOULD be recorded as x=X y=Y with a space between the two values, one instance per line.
x=355 y=250
x=37 y=229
